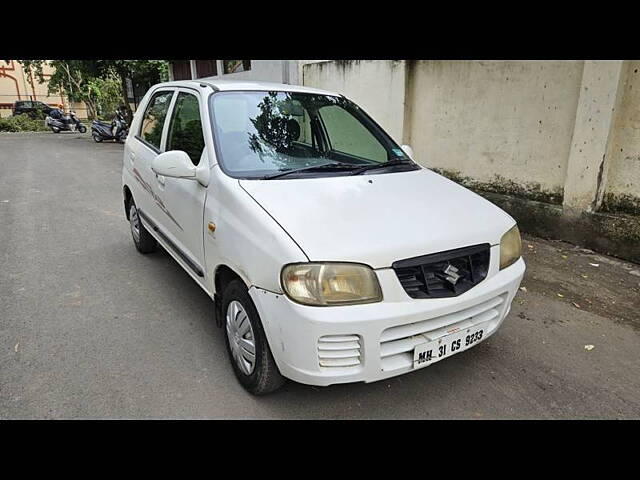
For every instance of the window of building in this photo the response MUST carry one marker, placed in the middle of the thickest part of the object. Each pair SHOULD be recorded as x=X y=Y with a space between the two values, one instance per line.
x=154 y=116
x=181 y=69
x=185 y=129
x=206 y=68
x=235 y=66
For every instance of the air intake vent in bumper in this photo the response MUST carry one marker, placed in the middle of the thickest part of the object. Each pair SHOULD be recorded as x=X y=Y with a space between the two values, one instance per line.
x=339 y=350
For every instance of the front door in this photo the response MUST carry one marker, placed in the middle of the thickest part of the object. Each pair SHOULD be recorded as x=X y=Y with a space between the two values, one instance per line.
x=140 y=152
x=185 y=198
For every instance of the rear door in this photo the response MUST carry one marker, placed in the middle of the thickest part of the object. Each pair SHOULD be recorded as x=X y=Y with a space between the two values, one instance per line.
x=185 y=198
x=140 y=152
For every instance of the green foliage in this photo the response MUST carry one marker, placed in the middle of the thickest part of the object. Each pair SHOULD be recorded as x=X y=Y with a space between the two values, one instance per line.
x=108 y=94
x=70 y=77
x=22 y=123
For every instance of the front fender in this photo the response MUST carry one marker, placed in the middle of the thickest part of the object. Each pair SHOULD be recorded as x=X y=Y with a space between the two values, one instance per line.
x=246 y=238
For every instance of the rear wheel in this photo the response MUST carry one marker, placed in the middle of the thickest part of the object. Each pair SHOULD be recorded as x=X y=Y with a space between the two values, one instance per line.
x=142 y=239
x=247 y=344
x=97 y=138
x=82 y=129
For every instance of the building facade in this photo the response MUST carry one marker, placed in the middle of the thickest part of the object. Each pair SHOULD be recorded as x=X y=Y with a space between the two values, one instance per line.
x=280 y=71
x=16 y=84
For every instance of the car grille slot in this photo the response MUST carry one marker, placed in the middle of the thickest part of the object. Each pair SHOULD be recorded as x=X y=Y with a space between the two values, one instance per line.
x=397 y=343
x=444 y=274
x=339 y=351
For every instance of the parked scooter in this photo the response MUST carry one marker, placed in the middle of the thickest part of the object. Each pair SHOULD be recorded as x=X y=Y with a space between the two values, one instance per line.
x=59 y=122
x=116 y=130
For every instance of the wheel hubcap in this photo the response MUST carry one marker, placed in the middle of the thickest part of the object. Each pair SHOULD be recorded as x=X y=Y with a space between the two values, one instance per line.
x=241 y=338
x=135 y=224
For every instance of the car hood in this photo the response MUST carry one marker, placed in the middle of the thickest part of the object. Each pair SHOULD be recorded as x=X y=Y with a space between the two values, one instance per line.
x=378 y=219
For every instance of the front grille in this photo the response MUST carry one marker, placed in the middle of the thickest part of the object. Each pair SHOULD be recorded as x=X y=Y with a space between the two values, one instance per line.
x=339 y=351
x=397 y=343
x=444 y=274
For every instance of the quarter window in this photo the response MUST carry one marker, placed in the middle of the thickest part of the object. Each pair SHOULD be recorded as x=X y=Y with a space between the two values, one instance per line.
x=154 y=116
x=185 y=129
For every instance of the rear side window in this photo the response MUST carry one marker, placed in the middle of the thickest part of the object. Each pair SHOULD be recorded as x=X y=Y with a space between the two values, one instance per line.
x=154 y=116
x=185 y=129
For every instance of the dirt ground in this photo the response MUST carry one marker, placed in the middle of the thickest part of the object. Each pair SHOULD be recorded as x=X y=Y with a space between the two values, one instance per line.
x=586 y=280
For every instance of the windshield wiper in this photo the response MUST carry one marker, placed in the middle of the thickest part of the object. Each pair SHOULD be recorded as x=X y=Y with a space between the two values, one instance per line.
x=393 y=162
x=324 y=166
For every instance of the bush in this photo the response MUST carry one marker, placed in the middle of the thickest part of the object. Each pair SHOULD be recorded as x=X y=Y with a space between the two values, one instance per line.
x=22 y=123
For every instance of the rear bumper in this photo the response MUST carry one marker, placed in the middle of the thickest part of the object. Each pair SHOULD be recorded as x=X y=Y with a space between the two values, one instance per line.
x=376 y=341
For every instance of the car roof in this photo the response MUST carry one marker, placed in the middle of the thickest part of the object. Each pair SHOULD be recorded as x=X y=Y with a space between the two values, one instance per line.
x=246 y=85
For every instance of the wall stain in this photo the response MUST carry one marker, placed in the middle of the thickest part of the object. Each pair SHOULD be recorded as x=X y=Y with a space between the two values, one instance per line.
x=623 y=203
x=499 y=184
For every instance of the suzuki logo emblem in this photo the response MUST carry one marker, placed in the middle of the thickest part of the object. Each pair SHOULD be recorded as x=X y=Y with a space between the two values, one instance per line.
x=451 y=274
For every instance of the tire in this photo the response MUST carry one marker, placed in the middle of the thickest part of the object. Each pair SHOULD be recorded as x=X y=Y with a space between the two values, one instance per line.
x=240 y=327
x=55 y=129
x=82 y=129
x=142 y=239
x=97 y=138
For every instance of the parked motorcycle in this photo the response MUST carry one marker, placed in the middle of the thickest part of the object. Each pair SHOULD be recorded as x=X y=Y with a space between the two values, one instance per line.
x=116 y=130
x=64 y=123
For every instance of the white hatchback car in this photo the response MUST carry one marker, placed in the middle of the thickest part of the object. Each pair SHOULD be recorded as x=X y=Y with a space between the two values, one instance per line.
x=330 y=255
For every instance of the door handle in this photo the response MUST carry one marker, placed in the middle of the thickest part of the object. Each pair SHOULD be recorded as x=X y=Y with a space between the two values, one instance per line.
x=160 y=179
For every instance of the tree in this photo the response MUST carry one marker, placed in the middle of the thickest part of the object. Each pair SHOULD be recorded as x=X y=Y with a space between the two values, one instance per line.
x=84 y=80
x=139 y=72
x=70 y=77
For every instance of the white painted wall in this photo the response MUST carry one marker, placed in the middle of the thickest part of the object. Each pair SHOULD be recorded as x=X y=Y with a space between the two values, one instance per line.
x=624 y=168
x=485 y=118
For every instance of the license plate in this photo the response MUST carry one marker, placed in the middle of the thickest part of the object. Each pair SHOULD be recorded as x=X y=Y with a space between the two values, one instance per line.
x=430 y=352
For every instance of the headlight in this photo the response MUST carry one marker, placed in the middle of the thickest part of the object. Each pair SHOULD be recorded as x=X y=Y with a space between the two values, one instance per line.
x=510 y=247
x=330 y=283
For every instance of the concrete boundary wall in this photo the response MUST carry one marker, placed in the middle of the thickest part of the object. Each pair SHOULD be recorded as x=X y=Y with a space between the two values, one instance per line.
x=563 y=134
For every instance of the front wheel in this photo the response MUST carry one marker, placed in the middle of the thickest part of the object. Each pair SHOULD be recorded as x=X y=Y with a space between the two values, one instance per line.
x=247 y=344
x=142 y=239
x=55 y=129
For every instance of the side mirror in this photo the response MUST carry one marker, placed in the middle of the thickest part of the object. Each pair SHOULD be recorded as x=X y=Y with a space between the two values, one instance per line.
x=408 y=150
x=175 y=164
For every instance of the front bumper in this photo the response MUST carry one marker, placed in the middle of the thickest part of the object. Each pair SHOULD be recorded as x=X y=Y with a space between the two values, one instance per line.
x=378 y=338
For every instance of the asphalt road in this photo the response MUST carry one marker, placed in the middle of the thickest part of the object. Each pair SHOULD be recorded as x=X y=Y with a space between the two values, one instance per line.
x=89 y=328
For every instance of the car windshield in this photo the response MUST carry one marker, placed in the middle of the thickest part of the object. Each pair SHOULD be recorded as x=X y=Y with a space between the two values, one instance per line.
x=259 y=134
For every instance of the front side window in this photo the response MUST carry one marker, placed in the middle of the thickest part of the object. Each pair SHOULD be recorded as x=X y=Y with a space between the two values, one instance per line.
x=154 y=116
x=185 y=129
x=262 y=133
